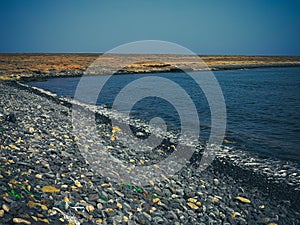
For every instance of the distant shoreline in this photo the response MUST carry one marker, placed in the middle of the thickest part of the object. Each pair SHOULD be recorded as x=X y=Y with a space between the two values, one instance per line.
x=35 y=66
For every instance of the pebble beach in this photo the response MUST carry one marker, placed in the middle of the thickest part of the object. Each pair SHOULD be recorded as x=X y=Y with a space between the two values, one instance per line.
x=44 y=179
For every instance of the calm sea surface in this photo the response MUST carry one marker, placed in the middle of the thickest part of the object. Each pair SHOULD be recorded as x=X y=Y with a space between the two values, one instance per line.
x=263 y=106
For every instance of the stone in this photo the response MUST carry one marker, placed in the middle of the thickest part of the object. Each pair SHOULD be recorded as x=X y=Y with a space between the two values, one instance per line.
x=156 y=200
x=5 y=208
x=235 y=214
x=11 y=118
x=126 y=219
x=192 y=200
x=50 y=189
x=90 y=208
x=242 y=199
x=158 y=219
x=77 y=184
x=20 y=220
x=1 y=213
x=39 y=176
x=119 y=205
x=192 y=205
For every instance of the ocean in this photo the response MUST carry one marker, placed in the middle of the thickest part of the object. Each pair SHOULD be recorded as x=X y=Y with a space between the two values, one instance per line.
x=262 y=106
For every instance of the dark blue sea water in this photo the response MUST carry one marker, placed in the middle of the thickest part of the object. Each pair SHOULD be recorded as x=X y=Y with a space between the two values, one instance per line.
x=263 y=106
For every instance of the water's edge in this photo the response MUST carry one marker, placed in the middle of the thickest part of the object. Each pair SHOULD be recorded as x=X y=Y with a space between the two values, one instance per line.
x=279 y=178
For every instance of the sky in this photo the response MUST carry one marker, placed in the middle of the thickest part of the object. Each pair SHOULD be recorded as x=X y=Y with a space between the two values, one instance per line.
x=253 y=27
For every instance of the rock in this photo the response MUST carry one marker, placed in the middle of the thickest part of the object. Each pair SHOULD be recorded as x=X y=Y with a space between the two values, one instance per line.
x=192 y=200
x=50 y=189
x=99 y=206
x=90 y=208
x=20 y=220
x=198 y=204
x=109 y=210
x=156 y=200
x=1 y=213
x=126 y=219
x=158 y=219
x=216 y=199
x=241 y=199
x=192 y=205
x=119 y=194
x=116 y=129
x=234 y=214
x=77 y=184
x=119 y=205
x=99 y=221
x=39 y=176
x=11 y=118
x=5 y=207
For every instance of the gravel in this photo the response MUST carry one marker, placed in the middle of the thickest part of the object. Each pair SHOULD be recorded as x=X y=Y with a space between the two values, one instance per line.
x=44 y=179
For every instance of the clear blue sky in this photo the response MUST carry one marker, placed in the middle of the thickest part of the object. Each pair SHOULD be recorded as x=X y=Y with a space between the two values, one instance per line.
x=253 y=27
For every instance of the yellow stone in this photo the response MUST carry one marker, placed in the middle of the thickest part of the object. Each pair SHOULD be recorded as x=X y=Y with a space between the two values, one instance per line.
x=44 y=207
x=108 y=210
x=198 y=204
x=192 y=200
x=156 y=200
x=20 y=220
x=99 y=221
x=216 y=199
x=1 y=213
x=32 y=204
x=156 y=166
x=90 y=208
x=116 y=129
x=234 y=214
x=126 y=219
x=66 y=199
x=151 y=183
x=112 y=138
x=34 y=218
x=14 y=147
x=244 y=200
x=119 y=205
x=50 y=189
x=78 y=184
x=192 y=205
x=44 y=220
x=5 y=208
x=4 y=195
x=152 y=210
x=39 y=176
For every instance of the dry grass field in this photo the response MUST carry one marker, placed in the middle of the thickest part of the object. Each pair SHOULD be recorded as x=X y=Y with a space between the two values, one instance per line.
x=24 y=66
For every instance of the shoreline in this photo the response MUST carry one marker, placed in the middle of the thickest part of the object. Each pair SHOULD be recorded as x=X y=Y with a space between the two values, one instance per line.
x=221 y=179
x=44 y=78
x=29 y=67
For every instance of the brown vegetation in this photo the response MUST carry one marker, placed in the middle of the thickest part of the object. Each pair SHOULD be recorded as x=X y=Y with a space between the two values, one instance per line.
x=20 y=66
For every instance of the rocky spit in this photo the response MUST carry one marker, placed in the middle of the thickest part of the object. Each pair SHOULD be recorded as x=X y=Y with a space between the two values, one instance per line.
x=44 y=179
